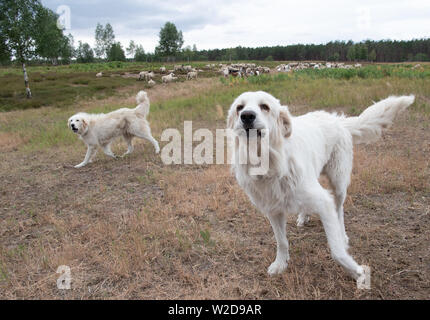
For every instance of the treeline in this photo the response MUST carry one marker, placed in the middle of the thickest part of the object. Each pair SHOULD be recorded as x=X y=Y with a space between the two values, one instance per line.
x=375 y=51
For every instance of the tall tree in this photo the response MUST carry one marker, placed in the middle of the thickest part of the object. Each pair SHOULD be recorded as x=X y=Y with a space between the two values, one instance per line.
x=116 y=53
x=363 y=51
x=171 y=40
x=372 y=55
x=131 y=49
x=99 y=49
x=187 y=53
x=4 y=51
x=105 y=38
x=50 y=41
x=351 y=53
x=84 y=53
x=17 y=26
x=139 y=54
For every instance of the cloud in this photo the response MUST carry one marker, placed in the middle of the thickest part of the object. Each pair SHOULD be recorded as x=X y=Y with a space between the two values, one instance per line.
x=221 y=24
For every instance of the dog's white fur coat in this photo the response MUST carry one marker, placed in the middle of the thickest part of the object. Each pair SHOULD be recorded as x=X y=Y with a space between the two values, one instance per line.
x=100 y=129
x=300 y=150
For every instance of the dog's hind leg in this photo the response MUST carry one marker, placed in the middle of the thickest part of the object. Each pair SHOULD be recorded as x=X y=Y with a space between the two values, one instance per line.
x=108 y=151
x=322 y=203
x=338 y=170
x=130 y=148
x=278 y=222
x=151 y=139
x=144 y=132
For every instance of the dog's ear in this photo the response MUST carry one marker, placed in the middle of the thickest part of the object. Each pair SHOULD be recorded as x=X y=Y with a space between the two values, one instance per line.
x=230 y=119
x=84 y=124
x=285 y=122
x=69 y=124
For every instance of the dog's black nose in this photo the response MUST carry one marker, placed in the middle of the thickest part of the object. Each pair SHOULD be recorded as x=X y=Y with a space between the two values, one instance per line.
x=248 y=117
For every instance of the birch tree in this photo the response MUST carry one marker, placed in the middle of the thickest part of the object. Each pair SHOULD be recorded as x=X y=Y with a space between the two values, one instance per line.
x=17 y=25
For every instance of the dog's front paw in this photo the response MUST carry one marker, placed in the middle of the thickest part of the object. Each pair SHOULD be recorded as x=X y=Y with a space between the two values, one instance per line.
x=157 y=150
x=80 y=165
x=359 y=273
x=277 y=267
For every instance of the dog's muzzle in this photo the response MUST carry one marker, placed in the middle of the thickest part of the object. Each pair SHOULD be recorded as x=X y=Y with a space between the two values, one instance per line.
x=248 y=118
x=74 y=129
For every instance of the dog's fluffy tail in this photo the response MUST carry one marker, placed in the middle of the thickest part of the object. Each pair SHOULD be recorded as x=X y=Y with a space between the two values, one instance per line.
x=142 y=101
x=368 y=126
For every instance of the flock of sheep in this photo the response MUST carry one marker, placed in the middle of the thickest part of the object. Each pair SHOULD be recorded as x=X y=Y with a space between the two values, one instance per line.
x=191 y=73
x=243 y=70
x=314 y=65
x=167 y=75
x=235 y=70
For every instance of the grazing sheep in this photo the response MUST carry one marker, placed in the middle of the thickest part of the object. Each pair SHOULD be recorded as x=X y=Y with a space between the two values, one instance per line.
x=99 y=75
x=169 y=78
x=178 y=68
x=191 y=75
x=149 y=76
x=236 y=73
x=188 y=68
x=163 y=69
x=225 y=72
x=142 y=75
x=151 y=83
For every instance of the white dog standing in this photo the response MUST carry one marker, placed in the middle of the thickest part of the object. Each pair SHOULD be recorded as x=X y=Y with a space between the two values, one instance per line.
x=100 y=129
x=300 y=149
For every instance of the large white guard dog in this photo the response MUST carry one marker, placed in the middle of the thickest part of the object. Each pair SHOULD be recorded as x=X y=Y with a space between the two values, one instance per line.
x=300 y=150
x=100 y=129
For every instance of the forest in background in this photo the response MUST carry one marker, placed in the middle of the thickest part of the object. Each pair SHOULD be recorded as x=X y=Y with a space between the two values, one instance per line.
x=30 y=32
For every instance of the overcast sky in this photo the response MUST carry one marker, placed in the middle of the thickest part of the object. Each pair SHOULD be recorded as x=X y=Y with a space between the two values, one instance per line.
x=229 y=23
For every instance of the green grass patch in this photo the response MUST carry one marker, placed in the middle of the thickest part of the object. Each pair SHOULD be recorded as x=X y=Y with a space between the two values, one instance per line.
x=301 y=91
x=56 y=89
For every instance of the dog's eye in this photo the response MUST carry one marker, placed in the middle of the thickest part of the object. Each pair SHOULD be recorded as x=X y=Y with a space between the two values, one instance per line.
x=239 y=107
x=264 y=107
x=77 y=120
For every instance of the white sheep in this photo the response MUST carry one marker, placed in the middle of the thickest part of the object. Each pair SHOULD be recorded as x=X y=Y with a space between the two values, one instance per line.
x=191 y=75
x=142 y=75
x=178 y=68
x=163 y=69
x=99 y=75
x=149 y=76
x=225 y=72
x=151 y=83
x=169 y=78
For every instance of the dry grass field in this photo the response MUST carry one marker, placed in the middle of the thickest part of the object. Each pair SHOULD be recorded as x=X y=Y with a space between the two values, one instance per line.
x=135 y=228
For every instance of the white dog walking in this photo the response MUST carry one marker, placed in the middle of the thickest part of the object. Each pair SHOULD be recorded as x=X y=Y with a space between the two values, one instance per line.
x=100 y=129
x=300 y=149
